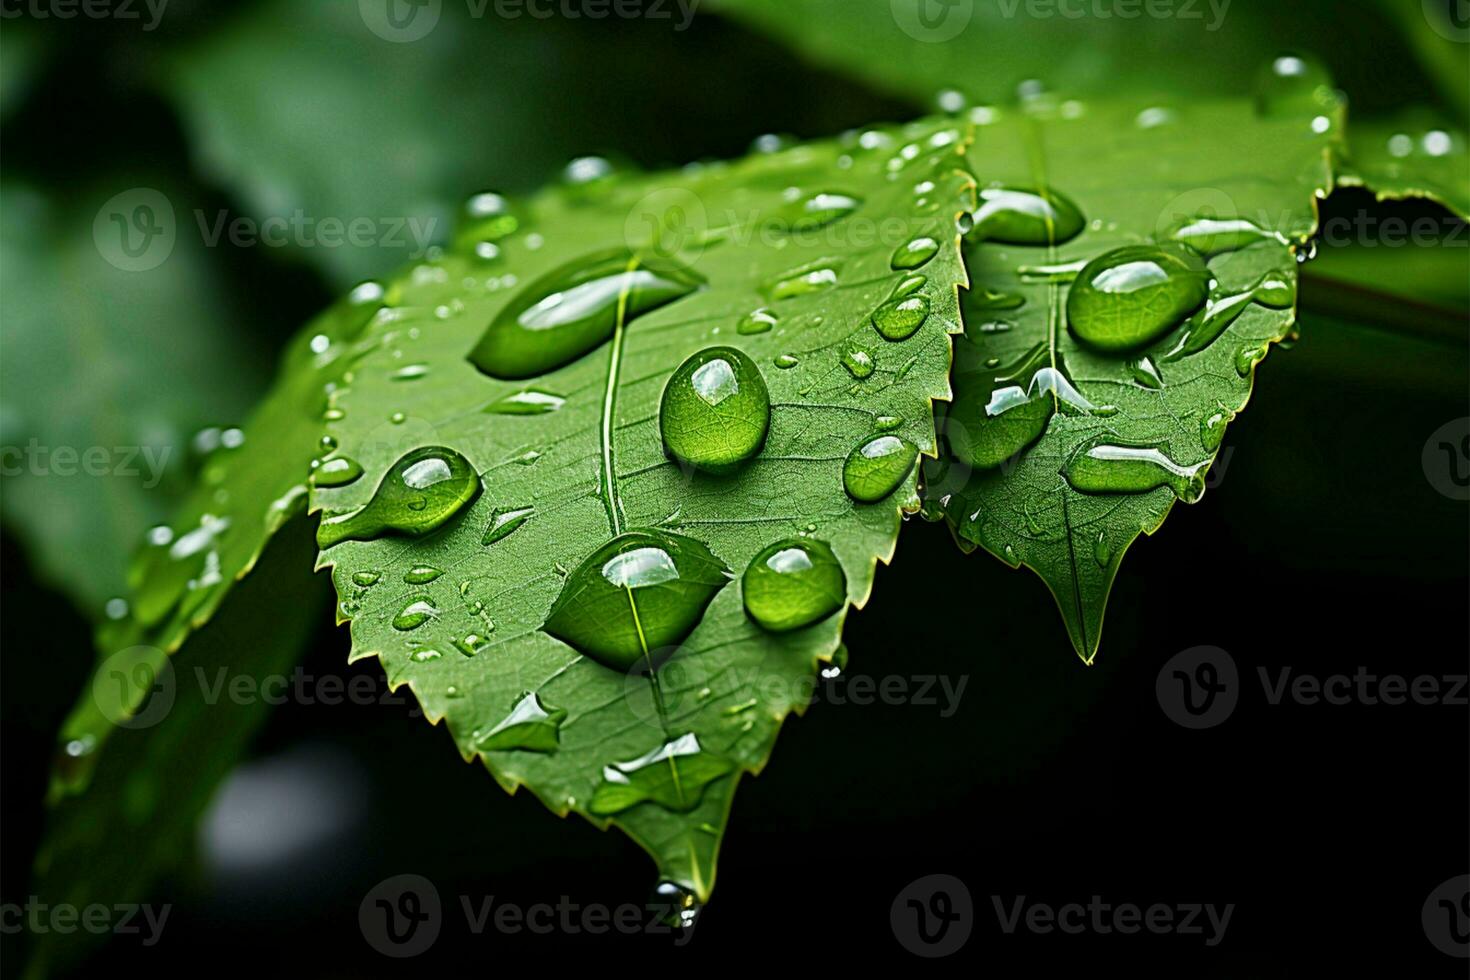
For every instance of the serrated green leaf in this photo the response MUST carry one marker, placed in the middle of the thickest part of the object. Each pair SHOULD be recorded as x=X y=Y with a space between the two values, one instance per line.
x=1135 y=176
x=458 y=615
x=1416 y=154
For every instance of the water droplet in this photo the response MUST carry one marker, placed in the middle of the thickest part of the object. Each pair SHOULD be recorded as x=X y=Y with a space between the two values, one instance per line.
x=574 y=309
x=531 y=726
x=1101 y=466
x=1215 y=236
x=915 y=253
x=1101 y=550
x=858 y=361
x=715 y=410
x=336 y=472
x=674 y=775
x=420 y=492
x=635 y=598
x=909 y=285
x=887 y=423
x=366 y=578
x=756 y=321
x=422 y=574
x=1146 y=373
x=586 y=170
x=1212 y=428
x=1133 y=295
x=418 y=611
x=1294 y=85
x=786 y=361
x=531 y=401
x=899 y=319
x=486 y=217
x=817 y=211
x=814 y=277
x=502 y=523
x=410 y=372
x=1024 y=216
x=878 y=466
x=422 y=655
x=1002 y=411
x=792 y=584
x=674 y=905
x=991 y=299
x=1247 y=358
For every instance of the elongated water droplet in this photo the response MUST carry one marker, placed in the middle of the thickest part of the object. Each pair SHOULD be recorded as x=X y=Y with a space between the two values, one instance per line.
x=878 y=466
x=636 y=598
x=909 y=285
x=915 y=253
x=503 y=522
x=531 y=726
x=792 y=584
x=817 y=211
x=715 y=410
x=410 y=372
x=420 y=492
x=814 y=277
x=1023 y=216
x=899 y=319
x=1101 y=550
x=366 y=579
x=786 y=361
x=756 y=321
x=422 y=574
x=1215 y=236
x=997 y=413
x=675 y=776
x=1105 y=467
x=531 y=401
x=336 y=472
x=1133 y=295
x=418 y=611
x=574 y=309
x=1146 y=373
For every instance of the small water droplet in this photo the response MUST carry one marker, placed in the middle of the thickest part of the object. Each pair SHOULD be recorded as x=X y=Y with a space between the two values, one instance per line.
x=502 y=523
x=814 y=277
x=531 y=726
x=420 y=492
x=421 y=574
x=418 y=611
x=530 y=401
x=786 y=361
x=817 y=211
x=675 y=776
x=899 y=319
x=336 y=472
x=914 y=253
x=366 y=579
x=757 y=321
x=858 y=361
x=1025 y=216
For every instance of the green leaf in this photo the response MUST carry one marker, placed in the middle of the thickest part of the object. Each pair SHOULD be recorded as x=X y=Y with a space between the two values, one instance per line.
x=136 y=822
x=785 y=257
x=1135 y=176
x=247 y=489
x=1416 y=154
x=109 y=368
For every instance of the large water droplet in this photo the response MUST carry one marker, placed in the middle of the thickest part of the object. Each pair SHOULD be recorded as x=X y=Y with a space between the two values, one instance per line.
x=1133 y=295
x=1105 y=467
x=675 y=776
x=915 y=253
x=878 y=466
x=1023 y=216
x=420 y=492
x=574 y=309
x=792 y=584
x=715 y=410
x=899 y=318
x=635 y=598
x=858 y=361
x=530 y=727
x=997 y=413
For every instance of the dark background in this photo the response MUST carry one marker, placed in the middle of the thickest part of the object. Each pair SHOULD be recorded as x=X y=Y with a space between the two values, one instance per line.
x=1325 y=548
